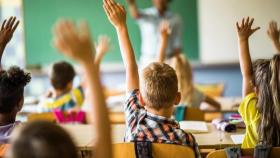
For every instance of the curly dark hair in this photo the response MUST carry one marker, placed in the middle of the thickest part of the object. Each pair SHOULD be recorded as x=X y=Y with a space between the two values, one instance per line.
x=12 y=83
x=62 y=73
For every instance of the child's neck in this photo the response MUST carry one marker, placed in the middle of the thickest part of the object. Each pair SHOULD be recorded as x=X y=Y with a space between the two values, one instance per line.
x=6 y=119
x=164 y=112
x=58 y=93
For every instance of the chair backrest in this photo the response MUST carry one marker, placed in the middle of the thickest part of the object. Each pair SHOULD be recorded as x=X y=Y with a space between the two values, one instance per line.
x=41 y=116
x=212 y=90
x=194 y=114
x=126 y=150
x=275 y=152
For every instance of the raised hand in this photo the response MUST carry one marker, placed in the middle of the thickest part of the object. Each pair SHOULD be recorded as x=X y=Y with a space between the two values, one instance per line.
x=103 y=45
x=73 y=41
x=273 y=31
x=245 y=29
x=7 y=30
x=115 y=13
x=165 y=28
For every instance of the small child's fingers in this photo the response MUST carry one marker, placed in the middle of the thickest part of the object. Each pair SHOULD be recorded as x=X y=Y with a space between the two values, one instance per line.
x=242 y=24
x=251 y=22
x=247 y=20
x=9 y=22
x=108 y=7
x=15 y=26
x=237 y=26
x=12 y=22
x=3 y=25
x=255 y=29
x=106 y=10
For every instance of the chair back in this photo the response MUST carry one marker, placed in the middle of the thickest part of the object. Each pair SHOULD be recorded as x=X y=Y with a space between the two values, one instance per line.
x=127 y=150
x=194 y=114
x=41 y=116
x=275 y=152
x=211 y=90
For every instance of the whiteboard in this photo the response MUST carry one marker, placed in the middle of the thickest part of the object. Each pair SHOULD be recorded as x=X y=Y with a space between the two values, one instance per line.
x=218 y=38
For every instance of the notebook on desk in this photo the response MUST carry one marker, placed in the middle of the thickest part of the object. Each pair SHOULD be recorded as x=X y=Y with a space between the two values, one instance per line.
x=194 y=126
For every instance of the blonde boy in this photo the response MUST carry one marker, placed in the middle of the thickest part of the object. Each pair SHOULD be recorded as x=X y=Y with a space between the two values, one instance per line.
x=149 y=109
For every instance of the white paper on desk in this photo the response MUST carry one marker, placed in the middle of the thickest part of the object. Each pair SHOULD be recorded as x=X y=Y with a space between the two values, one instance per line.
x=194 y=126
x=237 y=139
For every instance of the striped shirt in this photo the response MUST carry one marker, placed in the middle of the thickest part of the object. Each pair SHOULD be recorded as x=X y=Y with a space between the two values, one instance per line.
x=144 y=126
x=65 y=102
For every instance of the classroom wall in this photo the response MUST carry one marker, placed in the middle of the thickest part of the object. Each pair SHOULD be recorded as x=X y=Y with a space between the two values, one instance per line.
x=218 y=39
x=228 y=74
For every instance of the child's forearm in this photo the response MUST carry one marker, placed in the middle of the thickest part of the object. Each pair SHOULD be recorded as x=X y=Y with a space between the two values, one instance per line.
x=162 y=49
x=98 y=59
x=133 y=9
x=101 y=121
x=277 y=46
x=245 y=66
x=127 y=52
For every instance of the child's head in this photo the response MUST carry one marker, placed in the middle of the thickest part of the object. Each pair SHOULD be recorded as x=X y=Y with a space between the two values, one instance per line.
x=161 y=4
x=185 y=78
x=267 y=83
x=42 y=139
x=12 y=83
x=62 y=76
x=159 y=86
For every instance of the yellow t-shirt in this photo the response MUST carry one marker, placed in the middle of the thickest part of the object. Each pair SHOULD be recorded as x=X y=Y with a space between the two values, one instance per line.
x=251 y=118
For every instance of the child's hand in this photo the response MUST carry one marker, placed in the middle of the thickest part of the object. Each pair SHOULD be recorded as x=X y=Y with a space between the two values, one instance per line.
x=103 y=45
x=245 y=29
x=273 y=31
x=7 y=30
x=74 y=42
x=115 y=13
x=165 y=29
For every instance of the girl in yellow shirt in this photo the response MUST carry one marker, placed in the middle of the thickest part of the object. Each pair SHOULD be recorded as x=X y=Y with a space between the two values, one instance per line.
x=260 y=108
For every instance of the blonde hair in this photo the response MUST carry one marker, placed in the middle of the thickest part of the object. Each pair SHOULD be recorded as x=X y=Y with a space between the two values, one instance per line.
x=159 y=85
x=185 y=78
x=267 y=82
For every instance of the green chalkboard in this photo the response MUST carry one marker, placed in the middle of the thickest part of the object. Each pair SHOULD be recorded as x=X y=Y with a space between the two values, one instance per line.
x=40 y=15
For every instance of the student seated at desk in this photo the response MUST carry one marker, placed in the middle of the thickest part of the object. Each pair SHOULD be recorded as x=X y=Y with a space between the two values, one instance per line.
x=46 y=140
x=260 y=107
x=63 y=96
x=12 y=83
x=151 y=100
x=191 y=96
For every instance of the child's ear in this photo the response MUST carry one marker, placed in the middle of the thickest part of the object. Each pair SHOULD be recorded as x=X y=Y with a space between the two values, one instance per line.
x=20 y=105
x=177 y=98
x=141 y=100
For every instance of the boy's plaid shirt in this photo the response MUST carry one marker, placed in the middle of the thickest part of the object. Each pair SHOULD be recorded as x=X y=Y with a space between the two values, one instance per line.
x=144 y=126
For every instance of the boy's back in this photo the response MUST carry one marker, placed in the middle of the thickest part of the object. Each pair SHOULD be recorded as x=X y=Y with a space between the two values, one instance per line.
x=152 y=99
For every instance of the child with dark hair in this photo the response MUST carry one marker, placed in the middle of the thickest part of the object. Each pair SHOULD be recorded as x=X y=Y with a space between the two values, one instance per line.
x=12 y=83
x=63 y=96
x=46 y=140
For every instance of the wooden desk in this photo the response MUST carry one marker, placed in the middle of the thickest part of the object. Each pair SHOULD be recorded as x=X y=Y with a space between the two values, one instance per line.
x=84 y=137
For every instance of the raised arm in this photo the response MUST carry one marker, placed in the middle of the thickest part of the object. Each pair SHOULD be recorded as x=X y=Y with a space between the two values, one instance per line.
x=244 y=32
x=117 y=16
x=6 y=33
x=133 y=9
x=102 y=48
x=75 y=43
x=165 y=31
x=273 y=33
